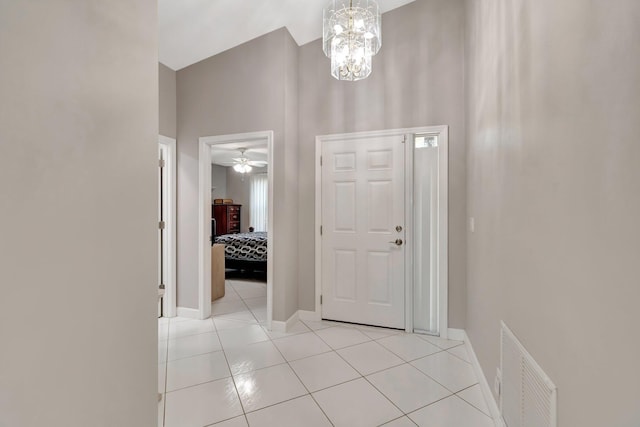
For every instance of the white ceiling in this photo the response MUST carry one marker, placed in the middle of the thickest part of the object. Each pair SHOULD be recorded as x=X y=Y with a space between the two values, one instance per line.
x=223 y=154
x=193 y=30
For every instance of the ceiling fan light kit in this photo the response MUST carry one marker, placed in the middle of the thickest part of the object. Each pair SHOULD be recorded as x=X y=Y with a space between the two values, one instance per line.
x=351 y=37
x=242 y=168
x=244 y=165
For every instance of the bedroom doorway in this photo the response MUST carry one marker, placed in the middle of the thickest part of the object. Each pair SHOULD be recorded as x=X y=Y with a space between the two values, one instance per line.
x=382 y=226
x=167 y=225
x=236 y=210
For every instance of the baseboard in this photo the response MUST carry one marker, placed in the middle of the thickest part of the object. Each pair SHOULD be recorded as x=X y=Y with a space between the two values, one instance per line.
x=482 y=380
x=309 y=315
x=189 y=313
x=280 y=326
x=456 y=334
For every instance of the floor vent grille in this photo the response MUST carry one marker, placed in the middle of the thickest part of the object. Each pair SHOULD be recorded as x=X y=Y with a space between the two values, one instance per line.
x=527 y=396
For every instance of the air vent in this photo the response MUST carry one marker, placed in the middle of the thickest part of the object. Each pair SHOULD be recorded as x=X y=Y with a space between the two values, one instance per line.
x=528 y=397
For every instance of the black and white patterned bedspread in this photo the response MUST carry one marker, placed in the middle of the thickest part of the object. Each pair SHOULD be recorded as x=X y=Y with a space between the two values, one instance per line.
x=244 y=246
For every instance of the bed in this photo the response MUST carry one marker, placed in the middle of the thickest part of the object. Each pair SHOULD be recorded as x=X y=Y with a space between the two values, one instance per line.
x=245 y=251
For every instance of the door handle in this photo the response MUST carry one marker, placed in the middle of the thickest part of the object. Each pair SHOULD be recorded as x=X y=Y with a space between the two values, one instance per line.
x=397 y=242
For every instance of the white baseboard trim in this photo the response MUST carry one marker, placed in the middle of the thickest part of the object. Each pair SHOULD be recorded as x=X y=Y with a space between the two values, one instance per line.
x=280 y=326
x=313 y=316
x=456 y=334
x=482 y=380
x=189 y=313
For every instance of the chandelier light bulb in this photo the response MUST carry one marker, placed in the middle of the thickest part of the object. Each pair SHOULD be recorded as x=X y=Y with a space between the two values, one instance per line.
x=351 y=37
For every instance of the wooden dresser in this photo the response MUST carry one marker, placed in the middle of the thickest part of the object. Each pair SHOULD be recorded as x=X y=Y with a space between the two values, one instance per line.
x=227 y=218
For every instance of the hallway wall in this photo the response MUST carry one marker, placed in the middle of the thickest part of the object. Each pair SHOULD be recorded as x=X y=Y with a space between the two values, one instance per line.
x=78 y=235
x=417 y=80
x=554 y=187
x=245 y=89
x=168 y=98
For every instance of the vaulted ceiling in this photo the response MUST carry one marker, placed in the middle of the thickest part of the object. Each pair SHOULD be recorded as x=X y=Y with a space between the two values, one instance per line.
x=193 y=30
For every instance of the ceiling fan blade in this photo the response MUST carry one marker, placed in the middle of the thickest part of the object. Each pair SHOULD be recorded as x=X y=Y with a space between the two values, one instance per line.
x=257 y=163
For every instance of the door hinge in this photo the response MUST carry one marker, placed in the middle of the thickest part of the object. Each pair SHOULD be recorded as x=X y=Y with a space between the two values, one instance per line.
x=321 y=230
x=320 y=160
x=404 y=139
x=320 y=299
x=161 y=225
x=161 y=163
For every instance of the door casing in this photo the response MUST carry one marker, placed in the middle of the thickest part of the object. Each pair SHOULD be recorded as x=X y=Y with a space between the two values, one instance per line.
x=169 y=300
x=406 y=134
x=204 y=209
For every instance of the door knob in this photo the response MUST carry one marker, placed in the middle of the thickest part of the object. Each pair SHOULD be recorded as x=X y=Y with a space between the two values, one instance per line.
x=397 y=242
x=398 y=228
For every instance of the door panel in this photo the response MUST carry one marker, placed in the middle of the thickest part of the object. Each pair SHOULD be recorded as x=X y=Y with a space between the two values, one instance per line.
x=362 y=203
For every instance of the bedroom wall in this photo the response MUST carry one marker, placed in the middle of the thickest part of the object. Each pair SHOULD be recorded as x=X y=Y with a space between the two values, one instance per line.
x=241 y=90
x=219 y=182
x=167 y=99
x=239 y=189
x=554 y=187
x=417 y=80
x=78 y=246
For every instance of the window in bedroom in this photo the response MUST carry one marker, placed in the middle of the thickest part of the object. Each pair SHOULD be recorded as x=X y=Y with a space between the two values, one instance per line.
x=259 y=202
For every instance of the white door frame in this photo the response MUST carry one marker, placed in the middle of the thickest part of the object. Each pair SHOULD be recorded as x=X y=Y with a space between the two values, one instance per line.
x=405 y=134
x=204 y=230
x=169 y=299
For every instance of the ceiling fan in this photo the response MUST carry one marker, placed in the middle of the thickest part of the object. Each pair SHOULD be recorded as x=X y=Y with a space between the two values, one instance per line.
x=244 y=165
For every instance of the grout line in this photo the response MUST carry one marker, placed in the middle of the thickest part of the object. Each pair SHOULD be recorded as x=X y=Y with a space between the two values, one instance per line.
x=399 y=418
x=469 y=403
x=303 y=385
x=365 y=378
x=309 y=393
x=229 y=368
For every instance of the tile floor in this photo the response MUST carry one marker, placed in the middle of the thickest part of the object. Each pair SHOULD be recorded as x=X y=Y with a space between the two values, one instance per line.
x=229 y=371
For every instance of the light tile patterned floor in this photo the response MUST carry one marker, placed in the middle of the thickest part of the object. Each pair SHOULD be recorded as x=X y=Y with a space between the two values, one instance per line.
x=229 y=371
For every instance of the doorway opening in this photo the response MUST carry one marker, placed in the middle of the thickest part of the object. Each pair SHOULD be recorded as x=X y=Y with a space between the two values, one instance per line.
x=381 y=221
x=236 y=219
x=167 y=226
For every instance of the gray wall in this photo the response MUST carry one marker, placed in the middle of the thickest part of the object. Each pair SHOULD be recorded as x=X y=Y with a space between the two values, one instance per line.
x=239 y=189
x=417 y=80
x=78 y=247
x=241 y=90
x=554 y=186
x=219 y=182
x=168 y=113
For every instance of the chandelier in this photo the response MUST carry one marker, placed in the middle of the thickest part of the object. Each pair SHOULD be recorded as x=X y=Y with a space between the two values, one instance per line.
x=351 y=36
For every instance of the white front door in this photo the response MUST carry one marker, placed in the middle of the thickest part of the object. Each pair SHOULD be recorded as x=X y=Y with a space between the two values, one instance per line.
x=363 y=211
